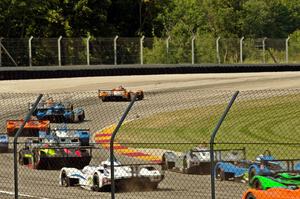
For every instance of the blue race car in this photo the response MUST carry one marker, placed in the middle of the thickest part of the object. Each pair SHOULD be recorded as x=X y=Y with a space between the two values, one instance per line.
x=3 y=143
x=245 y=170
x=59 y=112
x=237 y=171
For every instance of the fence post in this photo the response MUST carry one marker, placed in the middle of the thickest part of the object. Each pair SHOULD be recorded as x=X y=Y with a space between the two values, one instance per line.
x=30 y=50
x=16 y=182
x=167 y=48
x=115 y=49
x=217 y=49
x=264 y=49
x=141 y=49
x=241 y=50
x=1 y=51
x=59 y=50
x=111 y=147
x=193 y=49
x=88 y=50
x=287 y=50
x=212 y=142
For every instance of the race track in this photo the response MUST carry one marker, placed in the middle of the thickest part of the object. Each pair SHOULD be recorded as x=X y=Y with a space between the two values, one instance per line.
x=163 y=96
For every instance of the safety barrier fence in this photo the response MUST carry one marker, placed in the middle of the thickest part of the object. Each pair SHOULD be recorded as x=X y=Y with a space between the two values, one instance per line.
x=161 y=150
x=123 y=50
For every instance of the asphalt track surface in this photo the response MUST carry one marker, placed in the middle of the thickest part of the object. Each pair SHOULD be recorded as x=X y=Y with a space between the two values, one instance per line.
x=162 y=90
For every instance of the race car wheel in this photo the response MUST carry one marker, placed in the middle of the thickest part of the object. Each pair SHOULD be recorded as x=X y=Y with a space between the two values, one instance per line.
x=164 y=161
x=65 y=180
x=104 y=99
x=250 y=196
x=81 y=117
x=71 y=118
x=257 y=184
x=96 y=183
x=21 y=159
x=252 y=173
x=220 y=175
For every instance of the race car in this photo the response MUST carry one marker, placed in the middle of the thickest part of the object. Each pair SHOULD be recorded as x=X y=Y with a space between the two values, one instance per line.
x=31 y=128
x=58 y=112
x=127 y=177
x=197 y=160
x=272 y=193
x=245 y=170
x=282 y=180
x=3 y=143
x=119 y=94
x=53 y=152
x=236 y=171
x=82 y=134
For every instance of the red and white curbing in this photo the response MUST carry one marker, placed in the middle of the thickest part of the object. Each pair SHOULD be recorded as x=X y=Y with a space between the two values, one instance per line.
x=103 y=137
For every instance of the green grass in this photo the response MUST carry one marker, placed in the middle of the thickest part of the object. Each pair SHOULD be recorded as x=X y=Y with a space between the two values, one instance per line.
x=269 y=120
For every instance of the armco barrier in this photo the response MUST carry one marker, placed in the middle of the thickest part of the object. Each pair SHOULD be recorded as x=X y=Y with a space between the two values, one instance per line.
x=38 y=72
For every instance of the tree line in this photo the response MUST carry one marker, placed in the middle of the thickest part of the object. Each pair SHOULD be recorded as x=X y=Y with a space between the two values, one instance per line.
x=152 y=18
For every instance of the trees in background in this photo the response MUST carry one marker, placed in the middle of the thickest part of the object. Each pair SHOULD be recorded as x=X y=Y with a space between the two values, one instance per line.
x=180 y=19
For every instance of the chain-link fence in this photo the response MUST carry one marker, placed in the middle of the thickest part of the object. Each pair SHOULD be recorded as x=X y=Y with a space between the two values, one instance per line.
x=161 y=150
x=124 y=50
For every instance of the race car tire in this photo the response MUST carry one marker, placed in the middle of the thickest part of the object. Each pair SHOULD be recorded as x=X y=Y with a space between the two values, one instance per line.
x=71 y=118
x=81 y=117
x=104 y=99
x=220 y=175
x=165 y=165
x=36 y=160
x=256 y=184
x=250 y=196
x=153 y=186
x=96 y=183
x=65 y=180
x=131 y=97
x=252 y=173
x=21 y=159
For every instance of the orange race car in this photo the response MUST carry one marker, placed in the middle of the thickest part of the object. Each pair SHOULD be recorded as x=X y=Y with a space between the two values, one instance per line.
x=119 y=94
x=272 y=193
x=31 y=128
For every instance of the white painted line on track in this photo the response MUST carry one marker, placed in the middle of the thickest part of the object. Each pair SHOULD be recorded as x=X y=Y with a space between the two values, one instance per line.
x=23 y=195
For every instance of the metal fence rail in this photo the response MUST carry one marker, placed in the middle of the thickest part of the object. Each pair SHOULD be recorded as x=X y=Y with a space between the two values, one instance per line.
x=123 y=50
x=165 y=134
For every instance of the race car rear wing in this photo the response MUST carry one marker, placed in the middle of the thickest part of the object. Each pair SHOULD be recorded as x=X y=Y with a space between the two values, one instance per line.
x=287 y=165
x=68 y=129
x=45 y=105
x=219 y=152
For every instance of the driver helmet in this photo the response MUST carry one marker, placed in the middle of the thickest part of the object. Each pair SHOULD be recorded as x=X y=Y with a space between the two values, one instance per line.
x=260 y=157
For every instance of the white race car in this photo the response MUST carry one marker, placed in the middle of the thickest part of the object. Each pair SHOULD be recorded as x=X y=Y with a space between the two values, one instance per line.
x=127 y=177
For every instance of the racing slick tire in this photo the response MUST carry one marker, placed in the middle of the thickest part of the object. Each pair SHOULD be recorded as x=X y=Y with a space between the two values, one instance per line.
x=256 y=184
x=252 y=173
x=220 y=174
x=71 y=118
x=250 y=196
x=96 y=183
x=165 y=165
x=81 y=117
x=65 y=180
x=21 y=158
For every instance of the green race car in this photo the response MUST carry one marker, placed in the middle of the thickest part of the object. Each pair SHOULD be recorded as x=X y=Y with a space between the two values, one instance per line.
x=282 y=180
